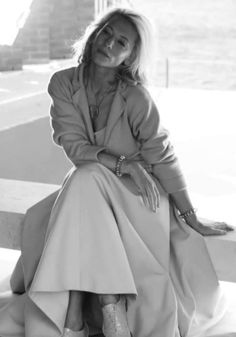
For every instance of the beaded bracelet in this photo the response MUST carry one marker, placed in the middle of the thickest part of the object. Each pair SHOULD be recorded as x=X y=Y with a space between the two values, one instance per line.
x=118 y=165
x=188 y=213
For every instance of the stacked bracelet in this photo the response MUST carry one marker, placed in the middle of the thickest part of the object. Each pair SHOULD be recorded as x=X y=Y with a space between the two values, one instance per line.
x=118 y=165
x=188 y=213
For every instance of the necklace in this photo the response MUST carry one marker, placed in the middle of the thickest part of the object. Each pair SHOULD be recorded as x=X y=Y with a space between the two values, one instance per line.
x=96 y=100
x=94 y=109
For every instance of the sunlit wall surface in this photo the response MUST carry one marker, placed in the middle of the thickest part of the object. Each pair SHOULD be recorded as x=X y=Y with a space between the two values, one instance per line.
x=13 y=14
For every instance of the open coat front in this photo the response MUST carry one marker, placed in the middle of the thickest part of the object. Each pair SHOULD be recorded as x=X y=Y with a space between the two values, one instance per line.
x=96 y=235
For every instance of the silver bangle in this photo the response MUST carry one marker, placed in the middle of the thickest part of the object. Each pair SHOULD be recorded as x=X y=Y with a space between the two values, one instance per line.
x=118 y=165
x=188 y=213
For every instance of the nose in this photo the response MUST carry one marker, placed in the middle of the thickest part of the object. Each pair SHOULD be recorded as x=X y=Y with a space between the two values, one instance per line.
x=110 y=43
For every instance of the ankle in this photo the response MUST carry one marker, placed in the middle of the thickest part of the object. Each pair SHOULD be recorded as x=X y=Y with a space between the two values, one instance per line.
x=74 y=324
x=108 y=299
x=84 y=332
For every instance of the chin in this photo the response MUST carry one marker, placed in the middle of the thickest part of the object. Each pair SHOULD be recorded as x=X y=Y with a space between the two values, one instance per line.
x=103 y=63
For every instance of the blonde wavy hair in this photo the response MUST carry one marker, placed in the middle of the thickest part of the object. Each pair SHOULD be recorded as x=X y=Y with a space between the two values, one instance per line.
x=135 y=72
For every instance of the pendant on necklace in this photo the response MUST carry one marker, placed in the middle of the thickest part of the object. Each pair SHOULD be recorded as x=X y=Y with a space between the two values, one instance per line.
x=94 y=111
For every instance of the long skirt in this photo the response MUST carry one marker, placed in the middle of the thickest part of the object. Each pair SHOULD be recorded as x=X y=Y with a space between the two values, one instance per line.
x=96 y=235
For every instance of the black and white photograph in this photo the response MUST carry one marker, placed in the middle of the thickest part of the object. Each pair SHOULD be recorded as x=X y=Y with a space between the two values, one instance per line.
x=117 y=168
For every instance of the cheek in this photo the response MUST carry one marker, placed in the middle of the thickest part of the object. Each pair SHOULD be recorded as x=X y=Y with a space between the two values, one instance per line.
x=122 y=55
x=99 y=40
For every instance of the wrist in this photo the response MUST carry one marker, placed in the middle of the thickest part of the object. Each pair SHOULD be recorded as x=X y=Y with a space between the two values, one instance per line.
x=191 y=220
x=128 y=167
x=189 y=216
x=119 y=163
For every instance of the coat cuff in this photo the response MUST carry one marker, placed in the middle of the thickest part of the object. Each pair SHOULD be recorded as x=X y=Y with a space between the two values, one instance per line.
x=91 y=154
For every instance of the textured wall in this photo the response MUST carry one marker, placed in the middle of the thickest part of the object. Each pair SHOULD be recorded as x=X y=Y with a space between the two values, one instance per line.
x=10 y=58
x=50 y=29
x=68 y=20
x=33 y=38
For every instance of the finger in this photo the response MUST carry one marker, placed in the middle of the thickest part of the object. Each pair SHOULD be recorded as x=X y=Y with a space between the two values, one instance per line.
x=142 y=191
x=224 y=226
x=154 y=201
x=153 y=193
x=151 y=199
x=228 y=228
x=157 y=196
x=147 y=203
x=145 y=198
x=220 y=232
x=217 y=232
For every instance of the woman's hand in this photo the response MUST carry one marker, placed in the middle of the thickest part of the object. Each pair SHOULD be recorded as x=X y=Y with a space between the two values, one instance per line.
x=209 y=227
x=143 y=180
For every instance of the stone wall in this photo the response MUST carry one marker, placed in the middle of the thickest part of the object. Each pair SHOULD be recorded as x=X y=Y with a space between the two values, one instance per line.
x=67 y=23
x=33 y=37
x=10 y=58
x=49 y=31
x=51 y=28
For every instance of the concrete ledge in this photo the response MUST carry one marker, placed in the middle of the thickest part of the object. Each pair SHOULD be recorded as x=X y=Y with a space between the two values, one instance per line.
x=17 y=196
x=222 y=250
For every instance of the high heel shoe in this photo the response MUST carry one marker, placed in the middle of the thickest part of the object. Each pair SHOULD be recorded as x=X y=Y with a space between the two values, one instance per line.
x=115 y=320
x=81 y=333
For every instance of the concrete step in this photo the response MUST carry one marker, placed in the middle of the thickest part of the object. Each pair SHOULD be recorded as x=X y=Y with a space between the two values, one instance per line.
x=15 y=198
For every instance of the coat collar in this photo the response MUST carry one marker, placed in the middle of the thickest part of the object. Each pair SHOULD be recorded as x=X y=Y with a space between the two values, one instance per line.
x=80 y=101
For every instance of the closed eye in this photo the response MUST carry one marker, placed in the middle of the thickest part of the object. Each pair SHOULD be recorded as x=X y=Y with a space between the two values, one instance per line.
x=107 y=30
x=122 y=43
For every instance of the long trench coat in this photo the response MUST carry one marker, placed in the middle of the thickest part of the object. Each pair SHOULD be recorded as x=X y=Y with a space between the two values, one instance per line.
x=164 y=267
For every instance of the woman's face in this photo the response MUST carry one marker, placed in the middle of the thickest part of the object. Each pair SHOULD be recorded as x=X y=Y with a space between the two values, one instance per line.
x=114 y=43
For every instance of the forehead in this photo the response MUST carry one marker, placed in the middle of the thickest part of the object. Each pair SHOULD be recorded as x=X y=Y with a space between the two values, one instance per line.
x=124 y=28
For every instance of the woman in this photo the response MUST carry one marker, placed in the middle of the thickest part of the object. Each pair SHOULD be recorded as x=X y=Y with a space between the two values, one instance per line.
x=110 y=251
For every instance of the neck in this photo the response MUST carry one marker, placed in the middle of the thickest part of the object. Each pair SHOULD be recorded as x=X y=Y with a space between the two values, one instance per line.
x=100 y=77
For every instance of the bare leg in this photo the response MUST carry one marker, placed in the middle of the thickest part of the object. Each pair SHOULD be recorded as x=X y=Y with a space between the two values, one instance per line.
x=115 y=322
x=74 y=316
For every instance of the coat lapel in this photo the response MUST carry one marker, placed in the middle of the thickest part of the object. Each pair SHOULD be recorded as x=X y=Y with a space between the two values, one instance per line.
x=117 y=109
x=81 y=103
x=80 y=100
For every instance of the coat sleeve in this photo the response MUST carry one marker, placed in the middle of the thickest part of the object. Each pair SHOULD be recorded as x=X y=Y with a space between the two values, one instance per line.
x=69 y=130
x=155 y=145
